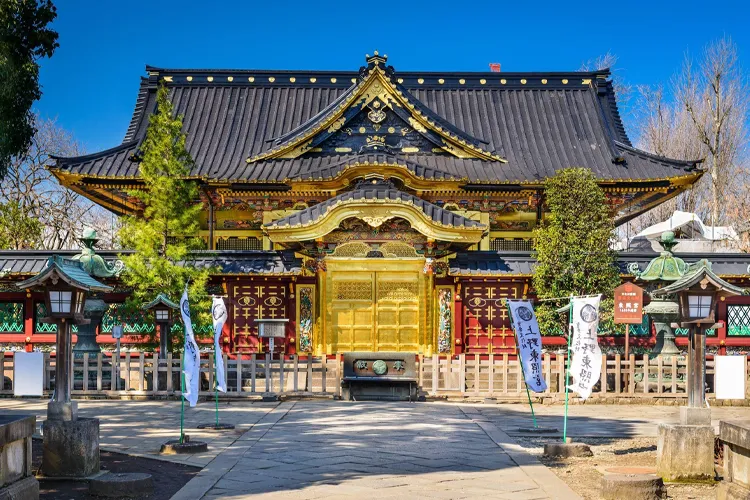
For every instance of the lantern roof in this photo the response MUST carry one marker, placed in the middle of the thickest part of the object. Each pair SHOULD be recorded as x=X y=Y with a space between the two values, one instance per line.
x=665 y=267
x=700 y=273
x=68 y=270
x=160 y=299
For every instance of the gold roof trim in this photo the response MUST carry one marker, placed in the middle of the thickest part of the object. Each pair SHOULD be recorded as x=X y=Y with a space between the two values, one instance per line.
x=376 y=84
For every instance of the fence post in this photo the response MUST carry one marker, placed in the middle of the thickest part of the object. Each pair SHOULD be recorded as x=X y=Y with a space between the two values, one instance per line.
x=295 y=382
x=281 y=373
x=674 y=375
x=268 y=371
x=618 y=374
x=99 y=372
x=238 y=367
x=154 y=372
x=324 y=372
x=435 y=373
x=603 y=377
x=561 y=373
x=127 y=370
x=491 y=381
x=211 y=372
x=631 y=374
x=462 y=373
x=141 y=371
x=170 y=388
x=253 y=367
x=337 y=389
x=85 y=379
x=646 y=372
x=659 y=375
x=309 y=383
x=548 y=372
x=477 y=372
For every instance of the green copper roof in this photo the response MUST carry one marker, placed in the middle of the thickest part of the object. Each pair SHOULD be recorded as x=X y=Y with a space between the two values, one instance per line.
x=160 y=299
x=70 y=271
x=695 y=274
x=665 y=267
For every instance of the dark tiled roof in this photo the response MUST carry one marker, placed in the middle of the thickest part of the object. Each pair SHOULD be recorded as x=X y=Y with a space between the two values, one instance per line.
x=229 y=261
x=533 y=120
x=377 y=191
x=522 y=263
x=68 y=270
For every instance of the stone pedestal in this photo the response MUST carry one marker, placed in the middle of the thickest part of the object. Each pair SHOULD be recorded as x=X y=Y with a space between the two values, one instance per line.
x=685 y=452
x=71 y=448
x=67 y=411
x=736 y=438
x=16 y=479
x=695 y=416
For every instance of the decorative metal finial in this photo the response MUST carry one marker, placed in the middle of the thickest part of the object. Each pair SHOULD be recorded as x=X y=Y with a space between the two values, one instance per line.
x=376 y=59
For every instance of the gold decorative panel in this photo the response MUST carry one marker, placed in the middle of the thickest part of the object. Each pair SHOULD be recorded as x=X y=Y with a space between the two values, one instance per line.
x=352 y=290
x=398 y=249
x=398 y=290
x=374 y=310
x=352 y=249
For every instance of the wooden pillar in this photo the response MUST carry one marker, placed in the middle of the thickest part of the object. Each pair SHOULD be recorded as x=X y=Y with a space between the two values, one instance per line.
x=458 y=322
x=28 y=316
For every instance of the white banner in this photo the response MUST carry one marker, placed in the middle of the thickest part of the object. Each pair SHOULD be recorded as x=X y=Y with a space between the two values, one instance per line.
x=586 y=367
x=529 y=343
x=219 y=316
x=192 y=360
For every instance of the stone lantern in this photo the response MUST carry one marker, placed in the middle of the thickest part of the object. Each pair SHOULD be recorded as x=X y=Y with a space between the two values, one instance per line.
x=71 y=445
x=685 y=451
x=663 y=311
x=95 y=308
x=162 y=308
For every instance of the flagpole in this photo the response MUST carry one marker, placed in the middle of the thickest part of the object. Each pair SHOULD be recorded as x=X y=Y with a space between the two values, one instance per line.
x=182 y=396
x=216 y=387
x=567 y=372
x=520 y=361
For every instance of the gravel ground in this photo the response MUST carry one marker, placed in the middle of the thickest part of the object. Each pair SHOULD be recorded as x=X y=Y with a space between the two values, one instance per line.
x=583 y=475
x=168 y=477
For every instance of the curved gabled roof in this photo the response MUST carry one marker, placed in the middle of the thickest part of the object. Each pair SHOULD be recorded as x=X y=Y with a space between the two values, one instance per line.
x=529 y=124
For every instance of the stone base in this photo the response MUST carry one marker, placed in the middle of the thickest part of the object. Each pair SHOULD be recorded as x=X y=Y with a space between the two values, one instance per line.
x=567 y=450
x=118 y=485
x=216 y=427
x=25 y=489
x=270 y=397
x=62 y=411
x=695 y=416
x=632 y=487
x=538 y=430
x=732 y=491
x=685 y=452
x=71 y=449
x=187 y=447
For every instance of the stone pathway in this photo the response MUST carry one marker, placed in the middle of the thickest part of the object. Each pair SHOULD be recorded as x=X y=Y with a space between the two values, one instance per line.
x=316 y=449
x=375 y=450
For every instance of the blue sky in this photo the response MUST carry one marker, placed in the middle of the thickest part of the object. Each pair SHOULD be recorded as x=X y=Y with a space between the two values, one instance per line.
x=90 y=84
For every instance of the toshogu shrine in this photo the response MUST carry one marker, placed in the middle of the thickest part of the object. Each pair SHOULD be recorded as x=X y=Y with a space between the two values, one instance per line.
x=375 y=210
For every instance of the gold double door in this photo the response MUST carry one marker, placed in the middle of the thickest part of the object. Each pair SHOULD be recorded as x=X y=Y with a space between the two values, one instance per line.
x=375 y=305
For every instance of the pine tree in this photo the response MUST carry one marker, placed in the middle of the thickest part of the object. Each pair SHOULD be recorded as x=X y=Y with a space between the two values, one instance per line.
x=574 y=256
x=164 y=233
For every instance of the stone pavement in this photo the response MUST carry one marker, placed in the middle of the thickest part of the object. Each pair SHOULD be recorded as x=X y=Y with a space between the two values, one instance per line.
x=315 y=449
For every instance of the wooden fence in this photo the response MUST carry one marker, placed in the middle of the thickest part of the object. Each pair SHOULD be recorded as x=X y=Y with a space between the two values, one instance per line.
x=143 y=374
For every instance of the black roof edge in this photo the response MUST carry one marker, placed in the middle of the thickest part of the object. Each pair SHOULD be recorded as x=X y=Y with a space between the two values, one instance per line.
x=634 y=150
x=78 y=159
x=471 y=186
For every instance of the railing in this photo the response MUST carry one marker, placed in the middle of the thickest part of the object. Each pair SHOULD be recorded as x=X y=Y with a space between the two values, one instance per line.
x=500 y=375
x=143 y=374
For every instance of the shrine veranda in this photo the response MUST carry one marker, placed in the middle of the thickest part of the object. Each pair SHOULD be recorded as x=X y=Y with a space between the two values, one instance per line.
x=376 y=210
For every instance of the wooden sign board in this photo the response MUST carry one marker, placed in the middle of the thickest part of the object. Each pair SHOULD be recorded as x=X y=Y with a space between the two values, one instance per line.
x=629 y=304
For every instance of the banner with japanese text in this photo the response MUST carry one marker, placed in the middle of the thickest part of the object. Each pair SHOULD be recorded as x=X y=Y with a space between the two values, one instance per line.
x=219 y=317
x=529 y=342
x=192 y=364
x=586 y=366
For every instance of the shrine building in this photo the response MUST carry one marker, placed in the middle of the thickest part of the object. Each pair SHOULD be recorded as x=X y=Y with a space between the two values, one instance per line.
x=377 y=210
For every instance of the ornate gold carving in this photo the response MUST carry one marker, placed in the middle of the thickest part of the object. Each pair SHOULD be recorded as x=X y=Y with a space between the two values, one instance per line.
x=230 y=78
x=352 y=249
x=410 y=150
x=271 y=79
x=375 y=140
x=336 y=125
x=376 y=221
x=343 y=150
x=565 y=81
x=333 y=80
x=503 y=81
x=398 y=290
x=586 y=81
x=523 y=81
x=352 y=290
x=313 y=80
x=462 y=81
x=210 y=78
x=376 y=115
x=416 y=125
x=190 y=78
x=398 y=249
x=251 y=79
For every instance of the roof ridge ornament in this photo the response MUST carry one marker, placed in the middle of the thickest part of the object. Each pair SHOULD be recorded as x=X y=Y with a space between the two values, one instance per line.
x=376 y=59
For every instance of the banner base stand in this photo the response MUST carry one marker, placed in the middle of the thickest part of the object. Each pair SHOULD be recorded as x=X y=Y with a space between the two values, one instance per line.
x=538 y=430
x=216 y=427
x=567 y=450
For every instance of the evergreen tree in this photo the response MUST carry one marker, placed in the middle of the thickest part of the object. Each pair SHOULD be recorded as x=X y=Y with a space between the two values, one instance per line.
x=18 y=229
x=164 y=234
x=573 y=250
x=24 y=39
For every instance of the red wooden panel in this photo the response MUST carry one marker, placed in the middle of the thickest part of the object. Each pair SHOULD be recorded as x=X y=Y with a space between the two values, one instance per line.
x=253 y=300
x=486 y=323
